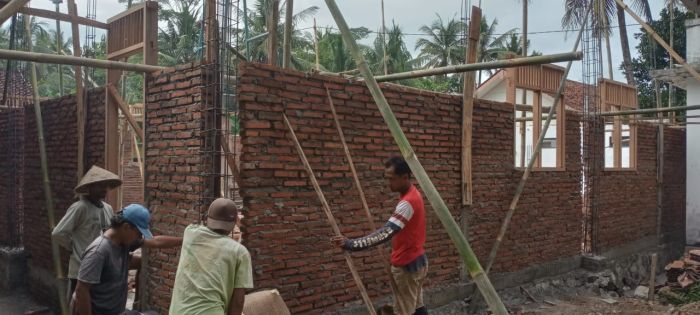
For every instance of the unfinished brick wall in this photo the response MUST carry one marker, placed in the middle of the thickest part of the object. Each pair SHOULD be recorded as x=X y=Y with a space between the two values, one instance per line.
x=59 y=117
x=175 y=165
x=673 y=199
x=627 y=198
x=11 y=176
x=132 y=182
x=287 y=233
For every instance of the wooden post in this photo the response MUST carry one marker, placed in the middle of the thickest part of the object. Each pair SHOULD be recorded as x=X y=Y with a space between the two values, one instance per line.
x=210 y=31
x=272 y=19
x=329 y=215
x=79 y=96
x=138 y=157
x=59 y=51
x=660 y=40
x=11 y=8
x=468 y=106
x=386 y=71
x=652 y=276
x=521 y=185
x=288 y=18
x=125 y=110
x=48 y=196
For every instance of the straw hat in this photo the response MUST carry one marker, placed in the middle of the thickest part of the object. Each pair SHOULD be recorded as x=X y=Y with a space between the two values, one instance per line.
x=96 y=175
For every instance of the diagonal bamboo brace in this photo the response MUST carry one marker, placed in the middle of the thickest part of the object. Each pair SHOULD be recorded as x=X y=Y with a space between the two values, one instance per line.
x=329 y=214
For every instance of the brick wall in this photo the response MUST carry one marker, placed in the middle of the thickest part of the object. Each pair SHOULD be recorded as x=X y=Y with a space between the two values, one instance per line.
x=11 y=176
x=287 y=232
x=175 y=164
x=673 y=219
x=627 y=199
x=61 y=148
x=132 y=182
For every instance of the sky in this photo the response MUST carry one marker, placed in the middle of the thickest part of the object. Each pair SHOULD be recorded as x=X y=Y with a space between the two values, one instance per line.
x=545 y=33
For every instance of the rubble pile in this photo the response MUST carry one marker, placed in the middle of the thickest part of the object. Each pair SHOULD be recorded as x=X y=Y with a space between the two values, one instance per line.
x=681 y=274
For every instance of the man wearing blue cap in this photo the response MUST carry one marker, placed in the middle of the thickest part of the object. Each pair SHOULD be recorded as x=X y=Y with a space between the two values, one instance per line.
x=103 y=277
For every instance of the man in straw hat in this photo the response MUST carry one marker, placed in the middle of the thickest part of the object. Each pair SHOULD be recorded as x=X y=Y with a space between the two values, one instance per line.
x=86 y=218
x=214 y=270
x=103 y=276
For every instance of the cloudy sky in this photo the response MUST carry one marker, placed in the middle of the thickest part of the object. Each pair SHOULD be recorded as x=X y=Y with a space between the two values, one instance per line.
x=544 y=20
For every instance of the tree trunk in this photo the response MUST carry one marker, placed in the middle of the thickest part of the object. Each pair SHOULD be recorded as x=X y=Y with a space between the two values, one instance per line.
x=624 y=41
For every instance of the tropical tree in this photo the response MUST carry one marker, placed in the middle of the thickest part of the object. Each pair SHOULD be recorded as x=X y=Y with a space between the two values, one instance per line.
x=398 y=58
x=492 y=46
x=443 y=46
x=602 y=14
x=651 y=56
x=334 y=56
x=514 y=45
x=179 y=42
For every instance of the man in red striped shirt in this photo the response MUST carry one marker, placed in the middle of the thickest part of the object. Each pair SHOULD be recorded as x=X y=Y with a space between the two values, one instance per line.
x=406 y=230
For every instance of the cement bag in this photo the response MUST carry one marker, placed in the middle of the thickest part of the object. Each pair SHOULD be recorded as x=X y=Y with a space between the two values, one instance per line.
x=268 y=302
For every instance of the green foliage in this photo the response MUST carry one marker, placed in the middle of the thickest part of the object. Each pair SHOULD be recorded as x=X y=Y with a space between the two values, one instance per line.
x=690 y=295
x=651 y=56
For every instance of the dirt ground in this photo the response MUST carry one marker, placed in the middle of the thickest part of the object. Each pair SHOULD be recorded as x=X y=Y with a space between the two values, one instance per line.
x=19 y=302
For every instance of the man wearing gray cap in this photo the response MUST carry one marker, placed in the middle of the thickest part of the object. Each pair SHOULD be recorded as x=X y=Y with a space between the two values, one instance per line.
x=214 y=270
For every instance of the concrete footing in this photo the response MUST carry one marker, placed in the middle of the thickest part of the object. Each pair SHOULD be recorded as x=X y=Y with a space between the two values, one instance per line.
x=13 y=268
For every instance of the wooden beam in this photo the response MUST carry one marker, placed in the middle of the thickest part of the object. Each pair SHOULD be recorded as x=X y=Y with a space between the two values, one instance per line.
x=468 y=106
x=79 y=96
x=230 y=159
x=62 y=17
x=138 y=156
x=649 y=110
x=329 y=215
x=272 y=22
x=126 y=52
x=287 y=49
x=660 y=40
x=11 y=8
x=125 y=111
x=71 y=60
x=211 y=43
x=132 y=9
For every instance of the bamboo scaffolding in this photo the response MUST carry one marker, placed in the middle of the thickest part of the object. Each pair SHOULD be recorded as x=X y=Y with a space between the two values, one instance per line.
x=660 y=40
x=288 y=17
x=329 y=214
x=535 y=154
x=76 y=61
x=358 y=185
x=79 y=96
x=468 y=106
x=650 y=110
x=11 y=8
x=55 y=253
x=507 y=63
x=438 y=204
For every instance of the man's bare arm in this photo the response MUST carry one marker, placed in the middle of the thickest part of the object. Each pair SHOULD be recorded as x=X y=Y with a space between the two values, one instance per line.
x=82 y=299
x=163 y=241
x=235 y=306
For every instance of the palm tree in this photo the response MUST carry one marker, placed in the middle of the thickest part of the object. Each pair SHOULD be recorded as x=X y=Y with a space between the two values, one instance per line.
x=492 y=46
x=334 y=56
x=179 y=42
x=398 y=57
x=443 y=46
x=258 y=32
x=602 y=13
x=514 y=45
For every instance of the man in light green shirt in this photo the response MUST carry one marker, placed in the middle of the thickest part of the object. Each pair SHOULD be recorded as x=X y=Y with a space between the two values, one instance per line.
x=86 y=218
x=214 y=270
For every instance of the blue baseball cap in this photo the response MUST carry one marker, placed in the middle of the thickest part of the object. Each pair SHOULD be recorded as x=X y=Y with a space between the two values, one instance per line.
x=139 y=217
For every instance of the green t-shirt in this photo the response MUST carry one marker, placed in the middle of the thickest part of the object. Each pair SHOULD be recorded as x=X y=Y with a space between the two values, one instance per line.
x=211 y=266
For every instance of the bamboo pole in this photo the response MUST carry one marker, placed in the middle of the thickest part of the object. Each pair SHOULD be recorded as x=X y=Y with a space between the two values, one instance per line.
x=650 y=110
x=47 y=14
x=652 y=276
x=329 y=214
x=386 y=71
x=468 y=106
x=11 y=8
x=318 y=64
x=356 y=179
x=76 y=61
x=508 y=63
x=138 y=156
x=59 y=50
x=533 y=158
x=55 y=253
x=660 y=40
x=287 y=53
x=79 y=96
x=438 y=204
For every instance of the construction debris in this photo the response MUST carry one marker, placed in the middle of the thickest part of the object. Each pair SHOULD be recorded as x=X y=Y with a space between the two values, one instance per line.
x=683 y=273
